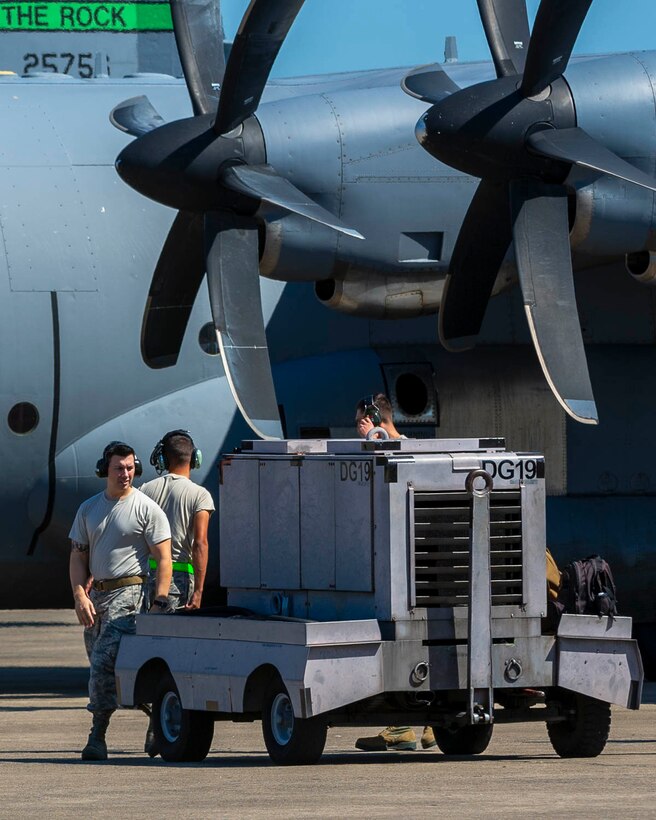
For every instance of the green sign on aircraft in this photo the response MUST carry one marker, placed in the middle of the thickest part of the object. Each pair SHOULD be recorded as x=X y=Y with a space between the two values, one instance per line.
x=80 y=16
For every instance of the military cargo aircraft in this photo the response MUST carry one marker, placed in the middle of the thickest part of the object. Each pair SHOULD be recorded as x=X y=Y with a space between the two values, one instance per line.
x=317 y=192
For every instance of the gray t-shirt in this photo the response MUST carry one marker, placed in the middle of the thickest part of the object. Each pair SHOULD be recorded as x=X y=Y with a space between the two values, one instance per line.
x=119 y=532
x=181 y=499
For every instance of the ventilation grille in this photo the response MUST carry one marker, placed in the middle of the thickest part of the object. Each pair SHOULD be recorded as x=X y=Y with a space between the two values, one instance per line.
x=442 y=533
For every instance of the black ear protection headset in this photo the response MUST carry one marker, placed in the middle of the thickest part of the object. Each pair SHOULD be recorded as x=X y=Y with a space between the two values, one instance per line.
x=159 y=460
x=102 y=465
x=372 y=410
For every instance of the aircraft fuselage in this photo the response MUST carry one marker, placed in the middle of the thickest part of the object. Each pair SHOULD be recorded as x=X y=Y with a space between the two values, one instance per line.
x=80 y=247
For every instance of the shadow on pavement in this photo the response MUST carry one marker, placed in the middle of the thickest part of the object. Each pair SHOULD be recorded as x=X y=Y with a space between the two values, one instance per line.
x=248 y=760
x=22 y=680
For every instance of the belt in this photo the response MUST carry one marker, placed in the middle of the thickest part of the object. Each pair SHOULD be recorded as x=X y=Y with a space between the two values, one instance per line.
x=178 y=566
x=116 y=583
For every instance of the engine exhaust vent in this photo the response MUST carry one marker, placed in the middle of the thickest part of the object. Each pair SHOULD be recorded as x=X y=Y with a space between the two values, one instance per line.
x=442 y=537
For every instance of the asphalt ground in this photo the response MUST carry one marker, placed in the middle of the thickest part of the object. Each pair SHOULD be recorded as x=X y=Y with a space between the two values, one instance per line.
x=43 y=725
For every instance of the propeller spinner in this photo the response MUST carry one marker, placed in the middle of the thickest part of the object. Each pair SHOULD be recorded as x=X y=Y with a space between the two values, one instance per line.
x=519 y=135
x=212 y=168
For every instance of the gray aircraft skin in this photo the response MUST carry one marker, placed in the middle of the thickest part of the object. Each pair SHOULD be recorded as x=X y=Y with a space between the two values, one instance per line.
x=80 y=248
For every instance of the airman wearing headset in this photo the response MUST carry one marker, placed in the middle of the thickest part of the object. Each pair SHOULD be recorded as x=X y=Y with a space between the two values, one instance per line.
x=188 y=507
x=113 y=535
x=375 y=412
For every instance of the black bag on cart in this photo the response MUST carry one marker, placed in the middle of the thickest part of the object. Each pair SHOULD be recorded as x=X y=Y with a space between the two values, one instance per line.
x=588 y=588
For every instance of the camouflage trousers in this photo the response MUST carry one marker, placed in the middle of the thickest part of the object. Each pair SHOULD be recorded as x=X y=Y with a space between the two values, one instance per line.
x=116 y=613
x=180 y=591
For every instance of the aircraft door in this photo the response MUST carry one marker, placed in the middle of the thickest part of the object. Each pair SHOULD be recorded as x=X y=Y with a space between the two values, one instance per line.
x=42 y=217
x=29 y=395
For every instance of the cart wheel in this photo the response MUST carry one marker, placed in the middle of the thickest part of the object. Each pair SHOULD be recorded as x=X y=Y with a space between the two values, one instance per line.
x=586 y=730
x=463 y=740
x=290 y=741
x=180 y=734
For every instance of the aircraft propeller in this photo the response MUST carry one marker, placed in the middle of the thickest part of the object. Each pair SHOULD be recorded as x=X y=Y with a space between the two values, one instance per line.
x=519 y=135
x=212 y=168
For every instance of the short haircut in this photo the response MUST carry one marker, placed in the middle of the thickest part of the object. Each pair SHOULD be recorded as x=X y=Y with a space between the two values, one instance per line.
x=383 y=404
x=118 y=448
x=178 y=449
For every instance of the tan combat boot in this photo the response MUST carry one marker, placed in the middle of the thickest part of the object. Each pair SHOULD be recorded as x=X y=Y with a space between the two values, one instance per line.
x=428 y=738
x=394 y=738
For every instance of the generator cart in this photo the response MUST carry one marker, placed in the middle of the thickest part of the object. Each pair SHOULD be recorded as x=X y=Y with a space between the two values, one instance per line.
x=376 y=583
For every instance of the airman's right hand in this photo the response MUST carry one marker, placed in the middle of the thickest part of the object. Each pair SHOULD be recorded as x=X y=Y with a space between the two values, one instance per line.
x=196 y=599
x=84 y=609
x=363 y=426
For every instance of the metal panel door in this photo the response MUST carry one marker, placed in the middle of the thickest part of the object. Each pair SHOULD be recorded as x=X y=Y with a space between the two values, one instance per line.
x=353 y=524
x=318 y=525
x=280 y=553
x=240 y=525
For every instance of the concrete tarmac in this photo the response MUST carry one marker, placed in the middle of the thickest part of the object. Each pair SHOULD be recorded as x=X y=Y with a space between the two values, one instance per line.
x=43 y=725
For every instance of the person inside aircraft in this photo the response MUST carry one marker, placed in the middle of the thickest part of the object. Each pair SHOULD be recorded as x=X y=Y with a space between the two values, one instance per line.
x=375 y=410
x=371 y=412
x=113 y=535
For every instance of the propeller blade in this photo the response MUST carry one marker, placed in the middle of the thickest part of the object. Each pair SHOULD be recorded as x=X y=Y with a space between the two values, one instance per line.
x=577 y=146
x=557 y=25
x=233 y=275
x=506 y=29
x=429 y=83
x=261 y=34
x=541 y=234
x=177 y=277
x=262 y=182
x=199 y=37
x=477 y=256
x=135 y=116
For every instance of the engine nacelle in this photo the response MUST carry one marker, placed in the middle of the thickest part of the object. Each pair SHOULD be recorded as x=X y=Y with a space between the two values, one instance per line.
x=612 y=218
x=375 y=296
x=297 y=250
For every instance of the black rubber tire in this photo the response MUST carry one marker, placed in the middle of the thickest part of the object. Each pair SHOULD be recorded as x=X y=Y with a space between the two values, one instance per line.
x=586 y=730
x=290 y=741
x=180 y=734
x=464 y=740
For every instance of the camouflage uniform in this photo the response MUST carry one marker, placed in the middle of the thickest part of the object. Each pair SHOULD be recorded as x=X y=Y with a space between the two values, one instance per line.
x=180 y=591
x=118 y=532
x=116 y=613
x=181 y=499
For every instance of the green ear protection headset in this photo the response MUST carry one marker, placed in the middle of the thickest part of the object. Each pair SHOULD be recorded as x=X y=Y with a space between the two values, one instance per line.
x=159 y=460
x=372 y=410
